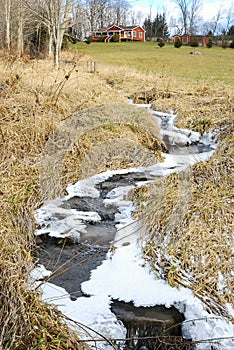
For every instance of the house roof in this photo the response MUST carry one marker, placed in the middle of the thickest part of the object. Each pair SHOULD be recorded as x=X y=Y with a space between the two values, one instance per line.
x=191 y=35
x=133 y=27
x=105 y=29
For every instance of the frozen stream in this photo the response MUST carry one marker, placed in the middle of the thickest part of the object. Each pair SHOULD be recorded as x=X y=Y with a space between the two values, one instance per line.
x=101 y=260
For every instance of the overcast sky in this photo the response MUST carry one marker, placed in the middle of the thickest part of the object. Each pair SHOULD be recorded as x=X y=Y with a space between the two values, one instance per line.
x=209 y=8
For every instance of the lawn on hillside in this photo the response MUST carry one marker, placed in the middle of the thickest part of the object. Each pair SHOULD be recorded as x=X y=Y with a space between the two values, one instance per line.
x=212 y=65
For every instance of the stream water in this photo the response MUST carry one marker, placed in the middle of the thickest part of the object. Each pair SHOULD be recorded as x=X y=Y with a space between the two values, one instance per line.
x=88 y=244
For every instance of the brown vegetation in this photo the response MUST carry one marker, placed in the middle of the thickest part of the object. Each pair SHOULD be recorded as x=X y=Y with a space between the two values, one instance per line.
x=35 y=101
x=188 y=218
x=111 y=136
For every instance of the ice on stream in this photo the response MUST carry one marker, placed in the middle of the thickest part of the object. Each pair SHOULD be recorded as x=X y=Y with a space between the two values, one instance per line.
x=124 y=275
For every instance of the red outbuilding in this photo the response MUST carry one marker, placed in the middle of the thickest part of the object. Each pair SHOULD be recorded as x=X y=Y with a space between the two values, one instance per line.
x=187 y=39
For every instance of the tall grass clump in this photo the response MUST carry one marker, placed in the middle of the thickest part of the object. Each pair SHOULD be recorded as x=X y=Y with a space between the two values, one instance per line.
x=189 y=240
x=34 y=99
x=36 y=102
x=30 y=107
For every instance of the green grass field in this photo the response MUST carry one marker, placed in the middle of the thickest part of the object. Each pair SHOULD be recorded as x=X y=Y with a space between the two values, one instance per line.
x=212 y=65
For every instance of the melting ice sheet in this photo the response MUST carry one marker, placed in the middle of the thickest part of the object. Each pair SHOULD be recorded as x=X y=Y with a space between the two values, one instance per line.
x=124 y=275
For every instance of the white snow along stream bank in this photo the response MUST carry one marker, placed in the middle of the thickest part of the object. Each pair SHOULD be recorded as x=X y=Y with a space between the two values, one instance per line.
x=123 y=274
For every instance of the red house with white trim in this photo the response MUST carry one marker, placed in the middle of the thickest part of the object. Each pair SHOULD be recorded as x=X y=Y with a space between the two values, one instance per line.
x=116 y=33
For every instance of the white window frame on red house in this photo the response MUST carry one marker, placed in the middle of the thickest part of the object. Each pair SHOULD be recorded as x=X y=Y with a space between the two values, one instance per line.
x=140 y=35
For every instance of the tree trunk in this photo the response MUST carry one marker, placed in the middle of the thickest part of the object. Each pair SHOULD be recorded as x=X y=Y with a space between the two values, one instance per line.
x=50 y=43
x=57 y=40
x=8 y=23
x=20 y=36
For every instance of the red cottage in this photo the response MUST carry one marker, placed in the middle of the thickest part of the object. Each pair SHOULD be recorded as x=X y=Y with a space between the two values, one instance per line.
x=129 y=33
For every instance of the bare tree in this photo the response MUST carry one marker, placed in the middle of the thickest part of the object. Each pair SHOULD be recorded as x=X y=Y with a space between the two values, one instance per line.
x=56 y=17
x=12 y=25
x=104 y=13
x=193 y=15
x=229 y=17
x=80 y=28
x=95 y=13
x=183 y=6
x=120 y=12
x=175 y=25
x=8 y=23
x=216 y=20
x=189 y=10
x=136 y=17
x=21 y=17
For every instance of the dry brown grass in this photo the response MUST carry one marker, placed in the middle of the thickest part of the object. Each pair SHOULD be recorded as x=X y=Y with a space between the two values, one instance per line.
x=34 y=98
x=109 y=137
x=29 y=111
x=87 y=133
x=200 y=106
x=189 y=216
x=189 y=220
x=35 y=102
x=190 y=241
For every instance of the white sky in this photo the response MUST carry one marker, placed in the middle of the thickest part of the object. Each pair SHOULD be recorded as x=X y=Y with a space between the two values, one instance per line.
x=208 y=11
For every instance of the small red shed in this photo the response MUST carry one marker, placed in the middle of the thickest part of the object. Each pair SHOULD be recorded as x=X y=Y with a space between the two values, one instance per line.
x=187 y=39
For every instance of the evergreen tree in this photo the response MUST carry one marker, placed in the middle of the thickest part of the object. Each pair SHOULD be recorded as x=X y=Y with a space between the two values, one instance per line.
x=157 y=28
x=231 y=31
x=209 y=43
x=178 y=43
x=148 y=28
x=194 y=42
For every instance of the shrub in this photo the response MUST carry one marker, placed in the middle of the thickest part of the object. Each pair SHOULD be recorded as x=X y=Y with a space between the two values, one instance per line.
x=232 y=45
x=101 y=39
x=224 y=44
x=178 y=43
x=161 y=44
x=116 y=38
x=194 y=42
x=209 y=43
x=64 y=43
x=88 y=40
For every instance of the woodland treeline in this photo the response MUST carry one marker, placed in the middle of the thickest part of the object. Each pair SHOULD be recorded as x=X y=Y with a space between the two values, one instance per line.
x=40 y=27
